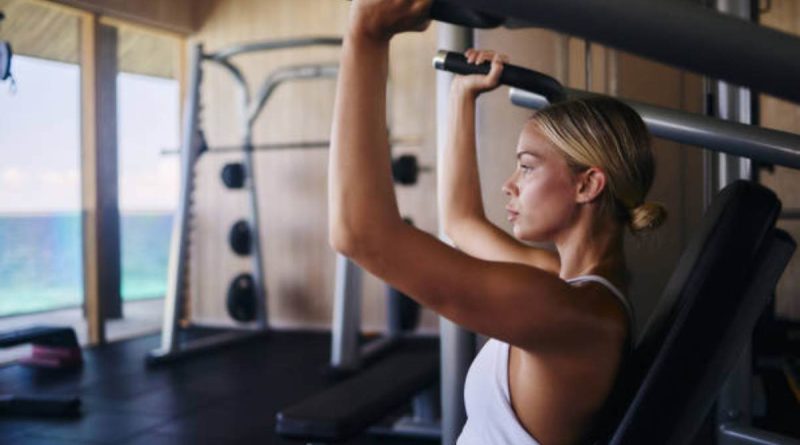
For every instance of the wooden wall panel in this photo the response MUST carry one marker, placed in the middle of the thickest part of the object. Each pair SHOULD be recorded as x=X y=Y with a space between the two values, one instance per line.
x=292 y=185
x=38 y=29
x=784 y=15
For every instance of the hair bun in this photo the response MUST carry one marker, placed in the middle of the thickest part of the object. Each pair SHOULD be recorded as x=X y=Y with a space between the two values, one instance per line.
x=647 y=216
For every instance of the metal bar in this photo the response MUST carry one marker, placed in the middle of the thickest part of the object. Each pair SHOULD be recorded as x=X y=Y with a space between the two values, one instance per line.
x=670 y=32
x=745 y=435
x=298 y=145
x=255 y=236
x=244 y=93
x=274 y=45
x=190 y=150
x=734 y=104
x=760 y=144
x=301 y=72
x=250 y=111
x=457 y=344
x=346 y=315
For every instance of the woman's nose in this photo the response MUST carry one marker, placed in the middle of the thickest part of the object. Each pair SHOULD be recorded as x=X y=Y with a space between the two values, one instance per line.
x=509 y=187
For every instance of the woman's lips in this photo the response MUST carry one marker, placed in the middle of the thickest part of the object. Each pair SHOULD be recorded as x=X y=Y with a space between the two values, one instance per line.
x=512 y=215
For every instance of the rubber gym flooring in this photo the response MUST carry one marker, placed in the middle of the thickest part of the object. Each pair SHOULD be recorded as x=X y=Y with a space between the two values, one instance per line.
x=227 y=396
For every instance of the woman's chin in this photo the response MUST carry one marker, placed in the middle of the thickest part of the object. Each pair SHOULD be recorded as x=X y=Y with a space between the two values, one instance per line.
x=529 y=236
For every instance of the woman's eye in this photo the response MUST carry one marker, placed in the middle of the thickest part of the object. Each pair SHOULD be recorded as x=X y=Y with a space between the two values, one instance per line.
x=525 y=168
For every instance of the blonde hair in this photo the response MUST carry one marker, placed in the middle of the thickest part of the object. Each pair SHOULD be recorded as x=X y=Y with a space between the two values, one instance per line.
x=605 y=133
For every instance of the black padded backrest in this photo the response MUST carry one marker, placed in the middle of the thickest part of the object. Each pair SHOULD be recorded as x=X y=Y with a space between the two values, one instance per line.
x=738 y=222
x=685 y=350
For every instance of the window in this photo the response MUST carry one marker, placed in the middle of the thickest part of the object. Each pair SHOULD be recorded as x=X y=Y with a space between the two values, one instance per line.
x=148 y=123
x=40 y=230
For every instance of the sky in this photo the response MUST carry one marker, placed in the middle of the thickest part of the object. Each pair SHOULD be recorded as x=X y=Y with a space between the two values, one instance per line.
x=40 y=140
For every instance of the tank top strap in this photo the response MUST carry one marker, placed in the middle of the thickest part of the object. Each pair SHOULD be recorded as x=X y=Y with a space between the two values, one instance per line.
x=614 y=290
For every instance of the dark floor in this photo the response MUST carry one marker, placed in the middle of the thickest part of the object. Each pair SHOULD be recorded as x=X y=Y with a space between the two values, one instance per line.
x=226 y=397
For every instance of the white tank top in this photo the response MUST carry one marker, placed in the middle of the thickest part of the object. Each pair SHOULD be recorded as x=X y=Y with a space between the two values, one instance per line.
x=490 y=418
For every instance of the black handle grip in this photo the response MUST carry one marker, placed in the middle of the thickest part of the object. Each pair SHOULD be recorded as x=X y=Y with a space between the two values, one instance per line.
x=513 y=76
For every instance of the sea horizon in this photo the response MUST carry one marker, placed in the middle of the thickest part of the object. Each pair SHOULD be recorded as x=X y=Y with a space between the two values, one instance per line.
x=41 y=266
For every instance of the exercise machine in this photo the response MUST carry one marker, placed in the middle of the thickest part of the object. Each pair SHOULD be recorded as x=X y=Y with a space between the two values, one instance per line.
x=535 y=90
x=730 y=46
x=246 y=299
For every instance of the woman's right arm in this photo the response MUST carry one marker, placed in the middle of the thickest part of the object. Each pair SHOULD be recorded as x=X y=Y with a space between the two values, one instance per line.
x=459 y=190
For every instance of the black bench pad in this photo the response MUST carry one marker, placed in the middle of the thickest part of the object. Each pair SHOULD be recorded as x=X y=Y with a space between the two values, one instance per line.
x=348 y=408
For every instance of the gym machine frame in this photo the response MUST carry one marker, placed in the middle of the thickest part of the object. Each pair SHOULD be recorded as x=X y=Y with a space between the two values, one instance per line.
x=192 y=147
x=662 y=30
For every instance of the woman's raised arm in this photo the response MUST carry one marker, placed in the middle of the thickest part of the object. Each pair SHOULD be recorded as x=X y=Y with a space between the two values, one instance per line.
x=459 y=188
x=361 y=192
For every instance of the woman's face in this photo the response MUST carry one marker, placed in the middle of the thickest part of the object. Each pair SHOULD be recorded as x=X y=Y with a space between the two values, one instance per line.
x=542 y=190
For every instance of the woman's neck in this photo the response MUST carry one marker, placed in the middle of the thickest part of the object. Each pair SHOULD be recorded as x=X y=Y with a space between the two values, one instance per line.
x=593 y=248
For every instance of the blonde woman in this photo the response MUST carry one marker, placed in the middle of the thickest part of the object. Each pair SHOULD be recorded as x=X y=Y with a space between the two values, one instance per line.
x=559 y=321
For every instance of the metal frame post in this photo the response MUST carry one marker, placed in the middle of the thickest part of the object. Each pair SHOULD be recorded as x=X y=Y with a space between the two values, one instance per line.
x=457 y=344
x=346 y=315
x=190 y=151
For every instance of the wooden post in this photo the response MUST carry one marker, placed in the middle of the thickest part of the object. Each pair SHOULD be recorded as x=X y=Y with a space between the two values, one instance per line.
x=101 y=240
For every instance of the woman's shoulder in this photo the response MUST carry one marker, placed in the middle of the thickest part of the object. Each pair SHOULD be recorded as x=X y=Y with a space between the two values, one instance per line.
x=605 y=304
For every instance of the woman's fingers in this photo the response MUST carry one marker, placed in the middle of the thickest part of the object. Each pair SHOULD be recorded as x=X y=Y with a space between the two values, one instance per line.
x=481 y=83
x=485 y=56
x=470 y=54
x=493 y=78
x=480 y=56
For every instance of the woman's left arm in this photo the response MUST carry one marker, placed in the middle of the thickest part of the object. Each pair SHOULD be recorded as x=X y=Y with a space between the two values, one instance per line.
x=361 y=197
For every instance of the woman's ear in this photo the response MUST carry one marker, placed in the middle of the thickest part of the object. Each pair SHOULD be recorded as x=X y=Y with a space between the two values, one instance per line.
x=591 y=183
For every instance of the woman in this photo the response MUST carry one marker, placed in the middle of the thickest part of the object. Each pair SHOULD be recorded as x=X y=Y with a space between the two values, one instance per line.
x=558 y=321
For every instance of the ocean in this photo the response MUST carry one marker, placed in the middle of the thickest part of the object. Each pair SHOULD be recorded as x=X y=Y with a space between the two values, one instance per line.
x=40 y=260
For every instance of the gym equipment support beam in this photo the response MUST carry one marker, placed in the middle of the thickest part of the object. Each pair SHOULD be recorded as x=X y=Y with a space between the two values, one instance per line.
x=760 y=144
x=678 y=33
x=457 y=344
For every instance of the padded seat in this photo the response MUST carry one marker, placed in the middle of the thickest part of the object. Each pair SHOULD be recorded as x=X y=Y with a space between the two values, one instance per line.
x=705 y=316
